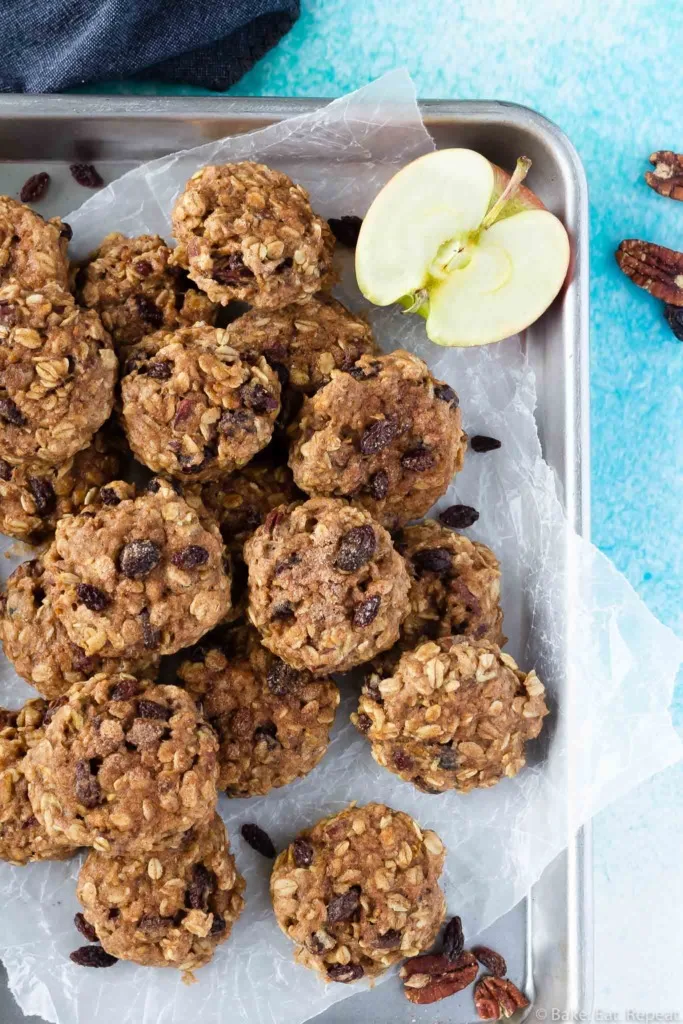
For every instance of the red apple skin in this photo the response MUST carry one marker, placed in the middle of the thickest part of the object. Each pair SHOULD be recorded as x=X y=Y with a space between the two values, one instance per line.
x=523 y=199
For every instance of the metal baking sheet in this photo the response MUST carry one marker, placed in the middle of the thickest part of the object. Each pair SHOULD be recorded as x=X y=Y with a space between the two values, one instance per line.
x=547 y=938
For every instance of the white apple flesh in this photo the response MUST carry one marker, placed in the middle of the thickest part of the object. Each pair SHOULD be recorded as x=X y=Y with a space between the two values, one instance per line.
x=455 y=238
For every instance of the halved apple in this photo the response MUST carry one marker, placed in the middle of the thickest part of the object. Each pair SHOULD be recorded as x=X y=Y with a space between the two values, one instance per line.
x=458 y=240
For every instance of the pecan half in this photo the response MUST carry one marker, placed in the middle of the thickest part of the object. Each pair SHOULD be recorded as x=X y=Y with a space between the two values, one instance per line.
x=497 y=997
x=431 y=977
x=667 y=177
x=653 y=267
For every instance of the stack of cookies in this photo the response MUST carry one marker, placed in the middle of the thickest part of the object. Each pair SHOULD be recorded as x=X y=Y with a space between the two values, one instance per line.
x=286 y=457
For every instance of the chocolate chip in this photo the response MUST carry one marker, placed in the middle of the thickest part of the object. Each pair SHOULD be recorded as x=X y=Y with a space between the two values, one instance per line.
x=438 y=560
x=11 y=413
x=86 y=929
x=453 y=939
x=108 y=496
x=379 y=485
x=345 y=972
x=363 y=722
x=125 y=690
x=448 y=760
x=86 y=175
x=151 y=637
x=151 y=709
x=257 y=398
x=259 y=840
x=43 y=494
x=92 y=956
x=302 y=852
x=5 y=470
x=446 y=394
x=343 y=908
x=390 y=940
x=8 y=314
x=402 y=761
x=418 y=460
x=138 y=558
x=459 y=517
x=86 y=786
x=356 y=547
x=161 y=370
x=143 y=268
x=366 y=612
x=149 y=311
x=200 y=888
x=35 y=187
x=282 y=612
x=92 y=597
x=377 y=436
x=282 y=679
x=482 y=443
x=190 y=557
x=231 y=270
x=346 y=229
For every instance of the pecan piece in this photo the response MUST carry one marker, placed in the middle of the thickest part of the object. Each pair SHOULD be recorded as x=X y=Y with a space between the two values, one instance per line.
x=667 y=177
x=431 y=977
x=654 y=268
x=497 y=997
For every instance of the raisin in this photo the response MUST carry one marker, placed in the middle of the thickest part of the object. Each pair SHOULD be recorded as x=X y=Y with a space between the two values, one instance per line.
x=151 y=637
x=108 y=496
x=674 y=317
x=149 y=311
x=366 y=612
x=453 y=939
x=35 y=187
x=67 y=231
x=356 y=547
x=446 y=394
x=236 y=421
x=153 y=487
x=86 y=786
x=481 y=443
x=282 y=612
x=419 y=459
x=29 y=822
x=80 y=660
x=125 y=690
x=5 y=470
x=282 y=679
x=258 y=399
x=43 y=494
x=92 y=597
x=53 y=708
x=92 y=956
x=161 y=370
x=154 y=923
x=491 y=960
x=86 y=929
x=286 y=563
x=365 y=372
x=285 y=264
x=302 y=852
x=345 y=972
x=343 y=908
x=151 y=709
x=259 y=840
x=11 y=413
x=86 y=175
x=402 y=761
x=231 y=270
x=377 y=436
x=346 y=229
x=200 y=888
x=8 y=314
x=379 y=485
x=363 y=722
x=459 y=517
x=138 y=558
x=436 y=560
x=190 y=557
x=143 y=268
x=217 y=925
x=390 y=939
x=448 y=760
x=267 y=733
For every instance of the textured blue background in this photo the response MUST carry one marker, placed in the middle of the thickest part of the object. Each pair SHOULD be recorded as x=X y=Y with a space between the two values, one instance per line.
x=608 y=72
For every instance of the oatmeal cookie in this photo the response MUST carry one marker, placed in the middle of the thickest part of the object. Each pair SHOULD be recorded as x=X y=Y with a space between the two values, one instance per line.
x=143 y=576
x=246 y=231
x=455 y=714
x=359 y=891
x=192 y=407
x=37 y=644
x=32 y=249
x=57 y=375
x=385 y=434
x=35 y=495
x=168 y=910
x=134 y=289
x=22 y=837
x=124 y=765
x=327 y=590
x=272 y=721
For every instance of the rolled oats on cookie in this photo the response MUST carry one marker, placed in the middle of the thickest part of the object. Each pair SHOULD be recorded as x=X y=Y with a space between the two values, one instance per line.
x=192 y=408
x=144 y=576
x=359 y=891
x=455 y=714
x=385 y=434
x=247 y=232
x=32 y=249
x=272 y=721
x=131 y=284
x=57 y=374
x=171 y=909
x=22 y=837
x=327 y=590
x=124 y=765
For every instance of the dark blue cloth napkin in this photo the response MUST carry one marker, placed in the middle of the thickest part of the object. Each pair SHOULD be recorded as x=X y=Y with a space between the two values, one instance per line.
x=49 y=45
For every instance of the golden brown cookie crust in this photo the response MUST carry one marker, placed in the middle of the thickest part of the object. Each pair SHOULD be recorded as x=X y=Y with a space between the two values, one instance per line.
x=247 y=232
x=192 y=408
x=124 y=766
x=359 y=891
x=327 y=590
x=173 y=908
x=32 y=250
x=272 y=721
x=142 y=577
x=386 y=434
x=455 y=714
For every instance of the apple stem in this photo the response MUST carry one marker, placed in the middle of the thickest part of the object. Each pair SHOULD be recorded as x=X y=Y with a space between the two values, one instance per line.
x=419 y=298
x=518 y=176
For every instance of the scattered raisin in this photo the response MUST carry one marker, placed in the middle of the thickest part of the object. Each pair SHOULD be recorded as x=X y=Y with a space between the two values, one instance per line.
x=200 y=888
x=390 y=939
x=161 y=370
x=302 y=852
x=343 y=908
x=230 y=270
x=108 y=496
x=282 y=679
x=86 y=786
x=149 y=311
x=346 y=229
x=86 y=929
x=459 y=517
x=92 y=956
x=345 y=972
x=267 y=733
x=151 y=709
x=418 y=460
x=402 y=761
x=448 y=759
x=674 y=318
x=286 y=563
x=236 y=421
x=125 y=690
x=446 y=394
x=363 y=722
x=491 y=960
x=35 y=187
x=86 y=175
x=190 y=557
x=481 y=443
x=366 y=612
x=356 y=547
x=143 y=268
x=259 y=840
x=8 y=314
x=453 y=939
x=43 y=494
x=154 y=923
x=282 y=612
x=151 y=637
x=92 y=597
x=379 y=485
x=436 y=560
x=138 y=558
x=365 y=372
x=217 y=925
x=80 y=660
x=11 y=413
x=257 y=398
x=377 y=436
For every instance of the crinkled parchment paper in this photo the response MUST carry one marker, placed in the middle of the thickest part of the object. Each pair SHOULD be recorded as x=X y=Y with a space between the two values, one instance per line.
x=608 y=664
